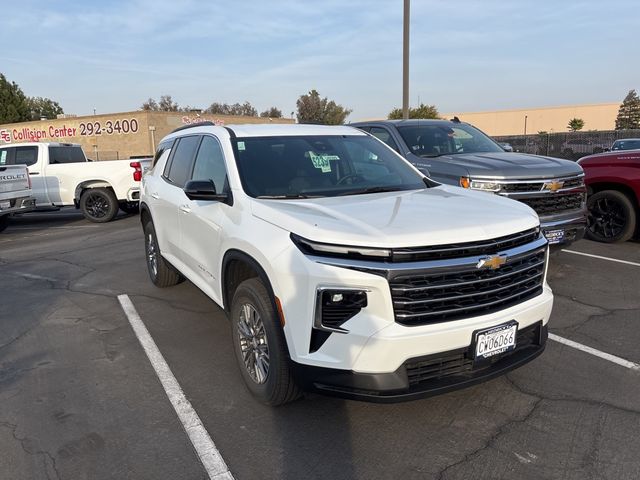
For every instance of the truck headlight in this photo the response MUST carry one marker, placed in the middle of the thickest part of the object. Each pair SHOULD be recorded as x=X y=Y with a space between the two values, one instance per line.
x=482 y=185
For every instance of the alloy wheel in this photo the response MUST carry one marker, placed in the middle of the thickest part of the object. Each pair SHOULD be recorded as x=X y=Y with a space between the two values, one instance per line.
x=253 y=343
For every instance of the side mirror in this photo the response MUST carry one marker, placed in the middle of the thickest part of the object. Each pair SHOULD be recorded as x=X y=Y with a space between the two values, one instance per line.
x=204 y=190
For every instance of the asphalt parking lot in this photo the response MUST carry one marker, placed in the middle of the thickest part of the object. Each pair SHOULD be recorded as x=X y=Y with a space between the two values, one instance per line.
x=80 y=399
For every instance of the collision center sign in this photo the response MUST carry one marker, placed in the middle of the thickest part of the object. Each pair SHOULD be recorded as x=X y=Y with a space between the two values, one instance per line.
x=62 y=132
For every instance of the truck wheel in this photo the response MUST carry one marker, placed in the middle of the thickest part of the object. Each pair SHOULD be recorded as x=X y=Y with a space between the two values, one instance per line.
x=611 y=218
x=99 y=205
x=4 y=222
x=260 y=346
x=162 y=274
x=130 y=208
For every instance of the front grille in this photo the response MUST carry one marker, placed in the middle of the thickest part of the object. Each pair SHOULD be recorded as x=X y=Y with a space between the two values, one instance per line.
x=522 y=187
x=467 y=249
x=555 y=203
x=430 y=297
x=538 y=186
x=459 y=362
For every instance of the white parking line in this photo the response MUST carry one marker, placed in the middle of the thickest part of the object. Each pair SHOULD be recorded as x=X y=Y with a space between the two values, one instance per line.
x=606 y=356
x=626 y=262
x=209 y=455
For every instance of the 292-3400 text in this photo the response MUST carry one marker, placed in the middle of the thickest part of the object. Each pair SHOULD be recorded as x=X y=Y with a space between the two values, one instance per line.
x=109 y=127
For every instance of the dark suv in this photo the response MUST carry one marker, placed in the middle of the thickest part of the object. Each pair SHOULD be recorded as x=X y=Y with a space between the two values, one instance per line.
x=457 y=153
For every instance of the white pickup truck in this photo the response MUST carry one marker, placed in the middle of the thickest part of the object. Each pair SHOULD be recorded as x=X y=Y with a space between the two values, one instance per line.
x=15 y=191
x=62 y=176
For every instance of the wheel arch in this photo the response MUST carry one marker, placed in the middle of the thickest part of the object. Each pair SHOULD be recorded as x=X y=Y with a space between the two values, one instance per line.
x=596 y=187
x=238 y=266
x=87 y=184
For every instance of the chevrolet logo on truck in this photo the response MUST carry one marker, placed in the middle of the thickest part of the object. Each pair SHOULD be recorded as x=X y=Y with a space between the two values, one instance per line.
x=492 y=261
x=553 y=186
x=19 y=176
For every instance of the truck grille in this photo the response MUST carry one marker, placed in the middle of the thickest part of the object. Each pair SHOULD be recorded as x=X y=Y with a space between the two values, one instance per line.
x=554 y=203
x=459 y=362
x=538 y=186
x=424 y=297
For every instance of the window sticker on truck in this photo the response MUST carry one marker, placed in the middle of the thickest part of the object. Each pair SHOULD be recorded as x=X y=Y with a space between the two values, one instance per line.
x=3 y=157
x=322 y=161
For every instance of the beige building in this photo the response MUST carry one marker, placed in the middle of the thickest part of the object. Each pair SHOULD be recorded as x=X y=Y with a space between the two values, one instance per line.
x=600 y=116
x=115 y=135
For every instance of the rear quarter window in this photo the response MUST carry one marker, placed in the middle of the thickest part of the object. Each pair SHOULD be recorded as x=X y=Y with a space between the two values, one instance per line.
x=65 y=154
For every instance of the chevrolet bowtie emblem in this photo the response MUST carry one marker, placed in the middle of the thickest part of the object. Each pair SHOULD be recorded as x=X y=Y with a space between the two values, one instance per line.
x=553 y=186
x=492 y=261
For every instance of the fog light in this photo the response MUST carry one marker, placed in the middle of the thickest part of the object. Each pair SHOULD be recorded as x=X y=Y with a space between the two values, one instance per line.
x=335 y=306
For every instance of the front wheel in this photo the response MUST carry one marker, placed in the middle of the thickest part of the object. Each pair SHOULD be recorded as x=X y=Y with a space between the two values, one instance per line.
x=99 y=205
x=260 y=346
x=611 y=218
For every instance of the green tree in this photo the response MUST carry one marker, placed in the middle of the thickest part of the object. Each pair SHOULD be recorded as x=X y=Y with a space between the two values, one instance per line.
x=272 y=112
x=322 y=111
x=245 y=109
x=423 y=111
x=629 y=112
x=13 y=103
x=150 y=105
x=575 y=124
x=40 y=107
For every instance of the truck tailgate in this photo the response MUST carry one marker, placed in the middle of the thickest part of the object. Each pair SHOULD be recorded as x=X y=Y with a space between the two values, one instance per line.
x=13 y=178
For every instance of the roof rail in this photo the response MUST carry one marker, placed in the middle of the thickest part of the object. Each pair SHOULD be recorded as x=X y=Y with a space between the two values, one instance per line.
x=205 y=123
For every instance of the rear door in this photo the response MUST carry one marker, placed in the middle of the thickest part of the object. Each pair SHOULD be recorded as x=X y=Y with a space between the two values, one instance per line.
x=62 y=173
x=170 y=195
x=201 y=222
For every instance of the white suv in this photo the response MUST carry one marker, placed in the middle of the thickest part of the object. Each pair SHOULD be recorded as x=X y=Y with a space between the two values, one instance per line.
x=342 y=268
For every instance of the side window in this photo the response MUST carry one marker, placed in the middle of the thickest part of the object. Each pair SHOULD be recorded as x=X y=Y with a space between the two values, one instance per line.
x=368 y=165
x=210 y=163
x=178 y=171
x=164 y=146
x=384 y=135
x=66 y=154
x=26 y=155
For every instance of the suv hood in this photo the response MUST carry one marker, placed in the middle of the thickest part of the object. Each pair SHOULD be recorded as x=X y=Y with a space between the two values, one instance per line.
x=507 y=165
x=432 y=216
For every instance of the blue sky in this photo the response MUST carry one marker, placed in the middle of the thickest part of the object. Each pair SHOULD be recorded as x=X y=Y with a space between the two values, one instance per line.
x=466 y=55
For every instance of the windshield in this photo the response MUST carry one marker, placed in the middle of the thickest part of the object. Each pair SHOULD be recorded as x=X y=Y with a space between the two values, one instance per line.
x=632 y=144
x=435 y=140
x=320 y=166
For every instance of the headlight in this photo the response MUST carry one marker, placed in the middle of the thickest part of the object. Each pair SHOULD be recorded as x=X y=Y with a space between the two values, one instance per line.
x=482 y=185
x=346 y=251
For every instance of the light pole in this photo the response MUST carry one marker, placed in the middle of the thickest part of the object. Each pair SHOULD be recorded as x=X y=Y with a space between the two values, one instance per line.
x=405 y=60
x=526 y=147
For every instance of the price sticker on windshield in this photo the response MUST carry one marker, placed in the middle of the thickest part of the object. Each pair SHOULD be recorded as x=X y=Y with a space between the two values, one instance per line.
x=322 y=161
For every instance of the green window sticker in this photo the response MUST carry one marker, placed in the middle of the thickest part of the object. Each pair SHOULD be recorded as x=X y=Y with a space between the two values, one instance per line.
x=3 y=157
x=241 y=146
x=322 y=161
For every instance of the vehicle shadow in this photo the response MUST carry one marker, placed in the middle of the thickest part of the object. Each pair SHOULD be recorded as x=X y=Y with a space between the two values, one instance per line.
x=43 y=220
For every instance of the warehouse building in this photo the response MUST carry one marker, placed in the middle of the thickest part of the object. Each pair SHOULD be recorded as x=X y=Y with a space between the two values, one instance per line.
x=116 y=136
x=521 y=121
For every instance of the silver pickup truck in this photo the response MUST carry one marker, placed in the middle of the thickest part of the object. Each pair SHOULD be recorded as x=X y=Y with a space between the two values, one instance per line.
x=15 y=192
x=457 y=153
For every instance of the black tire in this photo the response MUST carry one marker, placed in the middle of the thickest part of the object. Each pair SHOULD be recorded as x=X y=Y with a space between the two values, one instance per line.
x=99 y=205
x=612 y=217
x=131 y=208
x=162 y=274
x=4 y=222
x=277 y=386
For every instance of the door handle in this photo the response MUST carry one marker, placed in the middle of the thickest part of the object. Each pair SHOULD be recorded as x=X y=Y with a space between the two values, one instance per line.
x=34 y=173
x=155 y=195
x=185 y=209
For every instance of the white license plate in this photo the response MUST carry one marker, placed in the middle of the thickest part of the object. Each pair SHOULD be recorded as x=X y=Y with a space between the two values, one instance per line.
x=495 y=340
x=5 y=205
x=554 y=236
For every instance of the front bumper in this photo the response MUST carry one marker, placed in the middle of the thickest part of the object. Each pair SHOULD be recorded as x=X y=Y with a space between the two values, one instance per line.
x=423 y=376
x=572 y=225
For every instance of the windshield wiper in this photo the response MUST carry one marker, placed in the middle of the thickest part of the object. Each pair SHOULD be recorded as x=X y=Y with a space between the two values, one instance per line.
x=371 y=190
x=288 y=196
